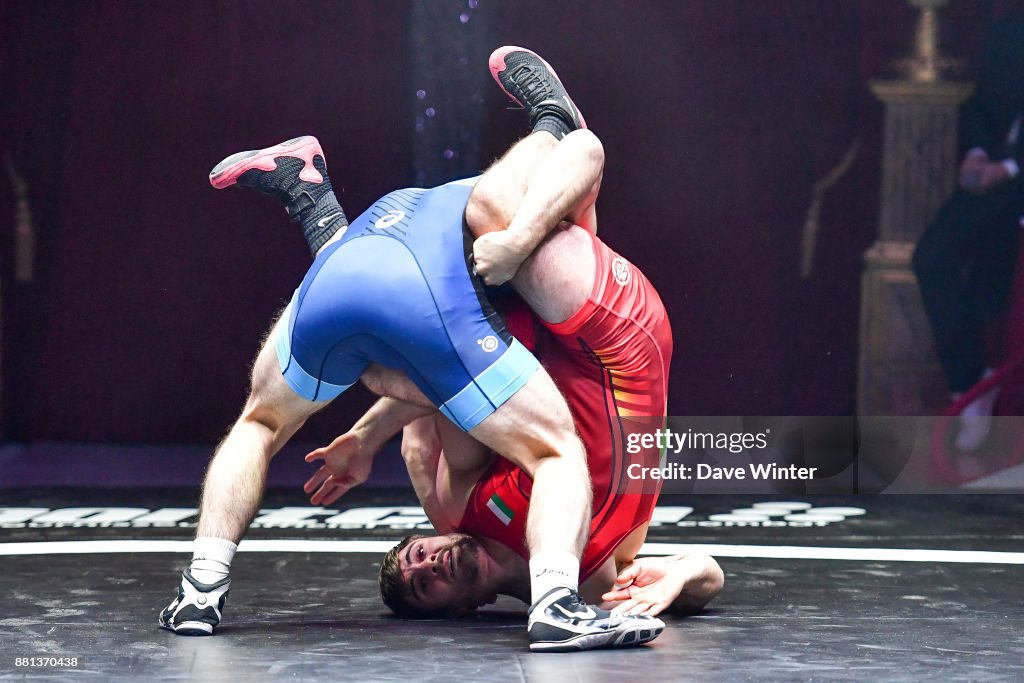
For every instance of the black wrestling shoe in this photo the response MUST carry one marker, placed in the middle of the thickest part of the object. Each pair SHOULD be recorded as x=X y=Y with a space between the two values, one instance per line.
x=561 y=622
x=534 y=85
x=197 y=609
x=295 y=172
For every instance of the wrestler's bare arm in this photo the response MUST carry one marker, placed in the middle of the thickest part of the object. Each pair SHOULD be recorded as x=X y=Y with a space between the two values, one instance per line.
x=530 y=198
x=348 y=459
x=442 y=480
x=651 y=585
x=233 y=486
x=563 y=185
x=421 y=451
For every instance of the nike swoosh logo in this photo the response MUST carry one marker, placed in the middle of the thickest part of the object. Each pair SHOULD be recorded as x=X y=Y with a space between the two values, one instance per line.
x=589 y=614
x=570 y=107
x=324 y=221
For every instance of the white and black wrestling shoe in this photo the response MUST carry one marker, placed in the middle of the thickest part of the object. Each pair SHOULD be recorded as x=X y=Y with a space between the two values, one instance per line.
x=198 y=607
x=561 y=622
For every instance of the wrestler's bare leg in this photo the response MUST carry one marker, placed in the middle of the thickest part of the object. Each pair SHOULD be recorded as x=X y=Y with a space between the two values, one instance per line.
x=534 y=429
x=232 y=491
x=235 y=478
x=394 y=384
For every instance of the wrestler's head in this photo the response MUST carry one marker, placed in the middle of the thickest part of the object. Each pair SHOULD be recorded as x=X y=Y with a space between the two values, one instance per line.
x=431 y=576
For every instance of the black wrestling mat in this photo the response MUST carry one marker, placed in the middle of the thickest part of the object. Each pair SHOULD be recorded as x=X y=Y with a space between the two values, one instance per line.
x=817 y=588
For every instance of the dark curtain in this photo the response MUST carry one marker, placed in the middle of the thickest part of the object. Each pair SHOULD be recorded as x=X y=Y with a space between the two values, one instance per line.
x=450 y=43
x=152 y=290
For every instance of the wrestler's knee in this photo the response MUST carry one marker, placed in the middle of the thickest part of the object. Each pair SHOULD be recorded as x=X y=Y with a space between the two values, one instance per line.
x=264 y=405
x=273 y=406
x=587 y=146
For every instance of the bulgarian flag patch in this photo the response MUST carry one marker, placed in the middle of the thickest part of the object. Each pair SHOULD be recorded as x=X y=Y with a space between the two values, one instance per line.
x=500 y=509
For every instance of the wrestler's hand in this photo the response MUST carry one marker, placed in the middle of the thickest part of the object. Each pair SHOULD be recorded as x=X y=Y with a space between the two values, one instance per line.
x=346 y=465
x=498 y=256
x=649 y=586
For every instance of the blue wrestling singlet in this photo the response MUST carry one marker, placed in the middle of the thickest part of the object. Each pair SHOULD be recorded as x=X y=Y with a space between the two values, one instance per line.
x=397 y=290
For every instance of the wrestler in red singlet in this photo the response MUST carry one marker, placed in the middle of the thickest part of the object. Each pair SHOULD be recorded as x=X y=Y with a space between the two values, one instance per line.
x=611 y=360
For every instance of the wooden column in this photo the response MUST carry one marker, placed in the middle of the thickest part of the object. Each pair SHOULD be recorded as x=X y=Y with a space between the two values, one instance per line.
x=898 y=372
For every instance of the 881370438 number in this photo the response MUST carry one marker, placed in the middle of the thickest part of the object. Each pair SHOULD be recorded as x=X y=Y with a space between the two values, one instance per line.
x=64 y=662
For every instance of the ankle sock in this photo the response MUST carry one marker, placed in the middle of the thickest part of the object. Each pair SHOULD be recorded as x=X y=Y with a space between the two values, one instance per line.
x=554 y=124
x=313 y=205
x=319 y=213
x=211 y=559
x=321 y=221
x=551 y=570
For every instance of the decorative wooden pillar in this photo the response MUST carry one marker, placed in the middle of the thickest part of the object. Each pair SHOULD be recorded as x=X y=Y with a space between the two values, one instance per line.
x=898 y=373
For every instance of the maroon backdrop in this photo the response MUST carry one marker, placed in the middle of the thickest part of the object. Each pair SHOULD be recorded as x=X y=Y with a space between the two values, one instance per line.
x=152 y=290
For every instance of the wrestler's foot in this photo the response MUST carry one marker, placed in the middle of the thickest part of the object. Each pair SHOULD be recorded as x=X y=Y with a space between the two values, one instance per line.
x=561 y=622
x=534 y=85
x=294 y=172
x=197 y=609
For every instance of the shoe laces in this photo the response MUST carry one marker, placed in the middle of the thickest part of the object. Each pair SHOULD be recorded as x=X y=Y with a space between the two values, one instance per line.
x=575 y=600
x=533 y=85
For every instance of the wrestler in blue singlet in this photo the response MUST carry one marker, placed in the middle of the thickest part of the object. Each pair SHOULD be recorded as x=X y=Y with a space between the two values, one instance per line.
x=397 y=290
